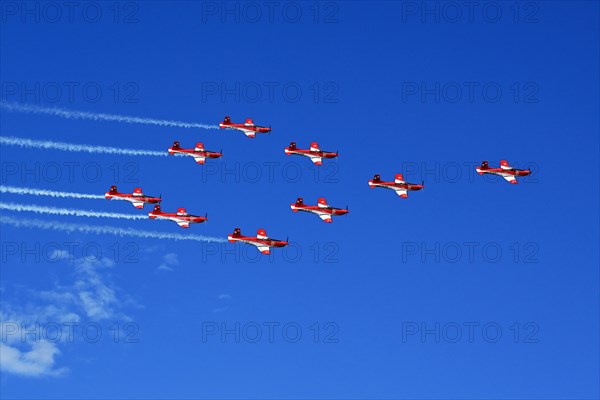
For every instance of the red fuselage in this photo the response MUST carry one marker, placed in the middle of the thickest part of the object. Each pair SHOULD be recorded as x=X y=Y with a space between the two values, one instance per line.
x=255 y=128
x=249 y=129
x=183 y=220
x=502 y=171
x=137 y=200
x=256 y=241
x=194 y=152
x=261 y=241
x=507 y=172
x=394 y=185
x=325 y=213
x=311 y=153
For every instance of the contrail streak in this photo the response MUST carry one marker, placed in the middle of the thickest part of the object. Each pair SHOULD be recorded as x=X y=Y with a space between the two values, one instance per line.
x=71 y=114
x=66 y=211
x=50 y=193
x=102 y=230
x=48 y=144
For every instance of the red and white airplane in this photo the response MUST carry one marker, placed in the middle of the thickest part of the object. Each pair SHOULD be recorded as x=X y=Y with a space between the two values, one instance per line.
x=137 y=198
x=248 y=127
x=322 y=209
x=506 y=171
x=199 y=153
x=182 y=217
x=399 y=185
x=315 y=154
x=262 y=241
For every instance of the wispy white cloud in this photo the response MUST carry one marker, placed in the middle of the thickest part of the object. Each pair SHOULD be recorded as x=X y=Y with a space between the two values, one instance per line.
x=96 y=297
x=38 y=359
x=225 y=301
x=91 y=296
x=169 y=260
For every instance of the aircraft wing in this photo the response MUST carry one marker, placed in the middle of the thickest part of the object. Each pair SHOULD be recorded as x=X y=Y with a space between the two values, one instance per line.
x=510 y=178
x=183 y=224
x=263 y=249
x=325 y=217
x=402 y=193
x=316 y=159
x=138 y=204
x=248 y=132
x=199 y=159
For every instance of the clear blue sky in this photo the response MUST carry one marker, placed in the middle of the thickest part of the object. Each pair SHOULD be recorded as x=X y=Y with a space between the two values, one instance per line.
x=367 y=74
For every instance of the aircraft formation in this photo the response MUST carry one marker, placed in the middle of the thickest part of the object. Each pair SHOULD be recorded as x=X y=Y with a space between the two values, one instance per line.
x=322 y=209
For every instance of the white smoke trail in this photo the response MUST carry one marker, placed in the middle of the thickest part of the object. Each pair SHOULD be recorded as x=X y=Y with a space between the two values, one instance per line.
x=66 y=211
x=50 y=193
x=48 y=144
x=102 y=230
x=70 y=114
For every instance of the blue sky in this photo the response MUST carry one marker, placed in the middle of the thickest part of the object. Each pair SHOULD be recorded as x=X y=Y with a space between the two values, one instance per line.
x=471 y=288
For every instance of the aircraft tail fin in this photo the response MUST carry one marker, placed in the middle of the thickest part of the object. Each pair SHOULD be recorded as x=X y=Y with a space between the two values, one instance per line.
x=376 y=179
